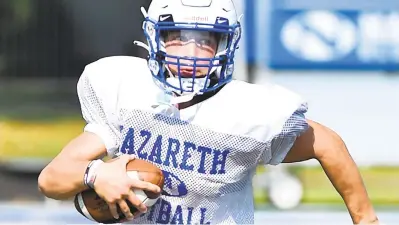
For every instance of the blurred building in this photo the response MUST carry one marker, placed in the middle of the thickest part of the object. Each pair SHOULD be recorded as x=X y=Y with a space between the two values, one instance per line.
x=44 y=47
x=343 y=57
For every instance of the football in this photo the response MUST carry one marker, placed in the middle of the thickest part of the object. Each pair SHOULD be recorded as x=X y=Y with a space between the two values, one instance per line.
x=94 y=208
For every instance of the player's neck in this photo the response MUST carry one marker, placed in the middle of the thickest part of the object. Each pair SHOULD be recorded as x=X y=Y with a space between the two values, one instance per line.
x=198 y=99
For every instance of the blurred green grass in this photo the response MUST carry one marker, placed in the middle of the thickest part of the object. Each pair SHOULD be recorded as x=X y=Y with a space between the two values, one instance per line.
x=45 y=137
x=36 y=139
x=382 y=185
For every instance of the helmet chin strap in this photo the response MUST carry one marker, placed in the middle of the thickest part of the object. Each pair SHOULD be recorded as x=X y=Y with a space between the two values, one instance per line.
x=174 y=98
x=167 y=102
x=141 y=44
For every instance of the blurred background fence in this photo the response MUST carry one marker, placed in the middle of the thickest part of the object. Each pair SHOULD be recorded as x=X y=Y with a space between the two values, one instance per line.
x=343 y=56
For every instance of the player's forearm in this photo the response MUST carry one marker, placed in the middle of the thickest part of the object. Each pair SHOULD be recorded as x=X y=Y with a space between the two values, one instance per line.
x=63 y=179
x=63 y=176
x=344 y=175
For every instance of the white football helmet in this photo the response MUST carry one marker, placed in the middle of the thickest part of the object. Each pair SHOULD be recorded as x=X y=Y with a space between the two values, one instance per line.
x=215 y=16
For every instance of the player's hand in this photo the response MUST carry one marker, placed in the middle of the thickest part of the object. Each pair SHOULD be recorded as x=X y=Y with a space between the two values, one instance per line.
x=114 y=186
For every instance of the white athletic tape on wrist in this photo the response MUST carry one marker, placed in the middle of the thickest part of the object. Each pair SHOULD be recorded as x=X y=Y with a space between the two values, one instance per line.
x=92 y=173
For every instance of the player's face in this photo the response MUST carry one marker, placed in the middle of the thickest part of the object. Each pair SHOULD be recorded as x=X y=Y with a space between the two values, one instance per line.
x=189 y=43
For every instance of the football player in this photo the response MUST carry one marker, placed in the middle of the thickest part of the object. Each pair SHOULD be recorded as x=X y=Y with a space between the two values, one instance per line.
x=181 y=109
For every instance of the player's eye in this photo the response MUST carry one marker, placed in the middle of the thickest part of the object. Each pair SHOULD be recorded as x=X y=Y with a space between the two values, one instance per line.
x=184 y=38
x=171 y=36
x=202 y=39
x=207 y=42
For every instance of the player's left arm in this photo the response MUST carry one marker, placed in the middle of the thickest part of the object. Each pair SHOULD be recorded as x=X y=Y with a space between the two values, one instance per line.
x=323 y=144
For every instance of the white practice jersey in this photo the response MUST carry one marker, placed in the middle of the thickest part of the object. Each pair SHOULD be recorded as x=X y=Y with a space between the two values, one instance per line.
x=208 y=152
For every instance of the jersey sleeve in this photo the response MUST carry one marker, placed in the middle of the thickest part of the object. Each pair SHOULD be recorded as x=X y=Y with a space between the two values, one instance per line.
x=283 y=142
x=96 y=108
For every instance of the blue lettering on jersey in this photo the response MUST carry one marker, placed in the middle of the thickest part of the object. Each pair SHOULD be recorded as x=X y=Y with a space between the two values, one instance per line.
x=180 y=215
x=173 y=149
x=146 y=137
x=173 y=186
x=177 y=153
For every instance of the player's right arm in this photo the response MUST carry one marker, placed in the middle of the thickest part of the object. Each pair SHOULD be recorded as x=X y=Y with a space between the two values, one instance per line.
x=63 y=177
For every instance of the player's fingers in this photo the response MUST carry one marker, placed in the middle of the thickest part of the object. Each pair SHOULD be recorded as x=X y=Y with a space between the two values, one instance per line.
x=136 y=202
x=143 y=185
x=137 y=214
x=125 y=209
x=125 y=158
x=114 y=210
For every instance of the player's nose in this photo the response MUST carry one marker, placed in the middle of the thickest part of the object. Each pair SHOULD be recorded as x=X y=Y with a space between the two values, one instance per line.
x=190 y=49
x=188 y=64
